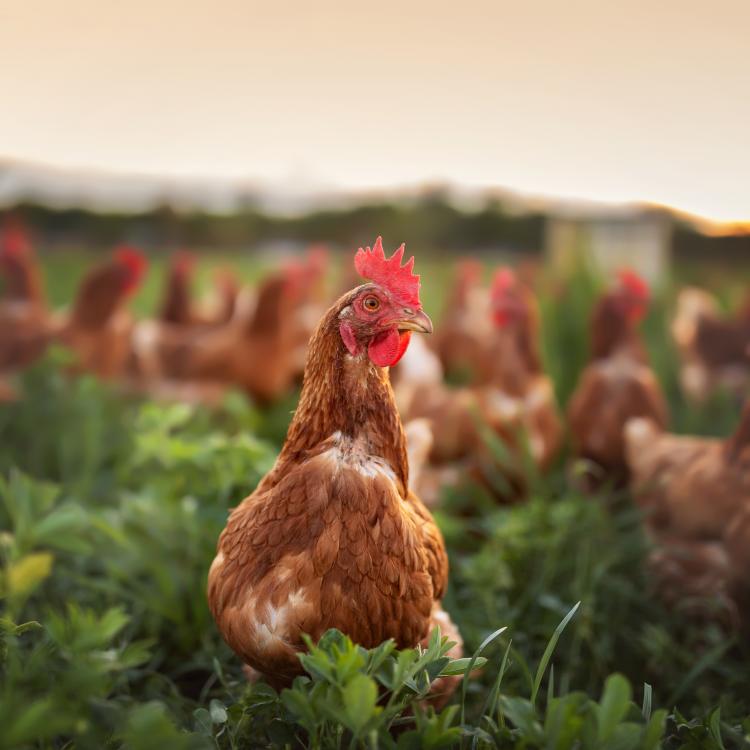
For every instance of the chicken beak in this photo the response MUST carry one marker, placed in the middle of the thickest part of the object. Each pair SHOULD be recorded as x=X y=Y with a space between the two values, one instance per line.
x=415 y=321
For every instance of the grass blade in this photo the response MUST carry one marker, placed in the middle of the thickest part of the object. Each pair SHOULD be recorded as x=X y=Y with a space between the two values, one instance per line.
x=647 y=700
x=551 y=684
x=491 y=701
x=547 y=655
x=464 y=683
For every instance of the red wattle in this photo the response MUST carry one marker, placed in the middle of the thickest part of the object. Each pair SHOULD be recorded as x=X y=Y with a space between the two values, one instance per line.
x=387 y=348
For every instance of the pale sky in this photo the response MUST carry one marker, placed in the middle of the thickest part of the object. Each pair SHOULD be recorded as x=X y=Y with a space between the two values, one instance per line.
x=641 y=100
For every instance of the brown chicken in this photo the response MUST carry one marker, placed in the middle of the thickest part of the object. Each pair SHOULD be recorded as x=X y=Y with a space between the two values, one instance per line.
x=261 y=359
x=617 y=384
x=465 y=327
x=24 y=320
x=20 y=272
x=517 y=403
x=715 y=350
x=332 y=537
x=696 y=494
x=259 y=349
x=690 y=486
x=255 y=352
x=164 y=349
x=311 y=299
x=737 y=545
x=178 y=307
x=516 y=366
x=98 y=328
x=222 y=303
x=694 y=577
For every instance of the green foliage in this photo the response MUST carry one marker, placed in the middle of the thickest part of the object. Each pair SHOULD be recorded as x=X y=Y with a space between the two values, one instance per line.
x=110 y=508
x=430 y=219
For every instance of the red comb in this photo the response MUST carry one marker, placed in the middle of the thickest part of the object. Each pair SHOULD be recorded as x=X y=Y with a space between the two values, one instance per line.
x=14 y=242
x=633 y=283
x=503 y=280
x=135 y=263
x=399 y=280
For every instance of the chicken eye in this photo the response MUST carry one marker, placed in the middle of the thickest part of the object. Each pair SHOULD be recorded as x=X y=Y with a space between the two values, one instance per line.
x=371 y=304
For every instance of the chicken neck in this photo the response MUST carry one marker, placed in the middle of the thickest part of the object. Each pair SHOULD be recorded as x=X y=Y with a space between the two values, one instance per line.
x=345 y=397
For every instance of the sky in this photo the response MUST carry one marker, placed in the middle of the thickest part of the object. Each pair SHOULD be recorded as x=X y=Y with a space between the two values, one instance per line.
x=611 y=101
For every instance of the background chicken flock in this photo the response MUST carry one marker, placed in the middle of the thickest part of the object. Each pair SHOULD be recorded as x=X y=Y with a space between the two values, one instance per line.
x=481 y=370
x=475 y=399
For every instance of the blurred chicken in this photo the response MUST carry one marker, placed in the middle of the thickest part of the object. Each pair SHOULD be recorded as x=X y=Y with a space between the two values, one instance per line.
x=178 y=305
x=98 y=327
x=715 y=350
x=222 y=302
x=694 y=578
x=696 y=493
x=617 y=384
x=311 y=301
x=517 y=403
x=690 y=486
x=418 y=371
x=24 y=322
x=420 y=389
x=516 y=368
x=160 y=347
x=737 y=544
x=19 y=269
x=262 y=357
x=255 y=352
x=7 y=391
x=465 y=327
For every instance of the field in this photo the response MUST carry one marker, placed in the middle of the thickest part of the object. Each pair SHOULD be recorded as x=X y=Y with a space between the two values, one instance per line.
x=109 y=513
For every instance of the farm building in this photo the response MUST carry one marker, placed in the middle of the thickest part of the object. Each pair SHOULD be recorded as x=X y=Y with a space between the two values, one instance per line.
x=636 y=238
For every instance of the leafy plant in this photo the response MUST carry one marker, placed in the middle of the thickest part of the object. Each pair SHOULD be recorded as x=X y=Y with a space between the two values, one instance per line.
x=110 y=508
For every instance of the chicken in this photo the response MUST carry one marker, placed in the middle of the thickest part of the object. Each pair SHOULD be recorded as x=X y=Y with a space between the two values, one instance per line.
x=8 y=393
x=715 y=351
x=617 y=384
x=98 y=328
x=255 y=352
x=24 y=320
x=465 y=327
x=517 y=400
x=311 y=301
x=696 y=493
x=222 y=303
x=694 y=577
x=178 y=307
x=419 y=371
x=690 y=486
x=21 y=275
x=162 y=348
x=737 y=544
x=261 y=359
x=516 y=365
x=332 y=537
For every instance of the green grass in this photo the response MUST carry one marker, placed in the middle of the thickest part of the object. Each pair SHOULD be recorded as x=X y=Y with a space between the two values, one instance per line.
x=109 y=513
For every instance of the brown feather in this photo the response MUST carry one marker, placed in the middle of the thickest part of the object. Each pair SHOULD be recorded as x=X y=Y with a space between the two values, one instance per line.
x=331 y=537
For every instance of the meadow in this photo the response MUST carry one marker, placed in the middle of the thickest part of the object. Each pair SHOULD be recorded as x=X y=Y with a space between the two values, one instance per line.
x=110 y=508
